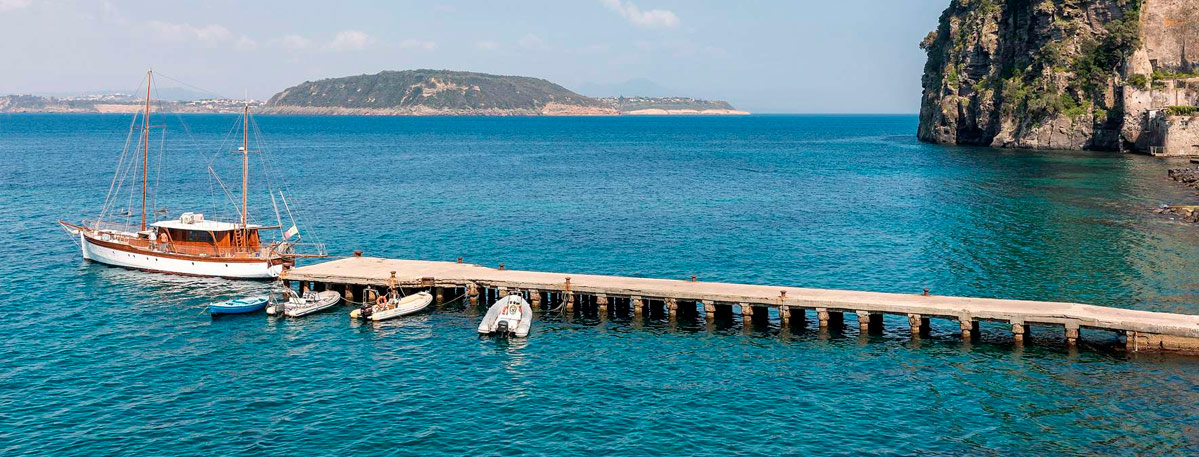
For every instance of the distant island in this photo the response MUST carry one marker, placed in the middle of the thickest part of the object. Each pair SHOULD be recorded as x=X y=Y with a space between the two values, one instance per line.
x=443 y=92
x=668 y=106
x=400 y=93
x=115 y=103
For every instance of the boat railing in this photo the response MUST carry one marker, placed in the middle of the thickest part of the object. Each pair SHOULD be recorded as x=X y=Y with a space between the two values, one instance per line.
x=111 y=226
x=289 y=249
x=263 y=252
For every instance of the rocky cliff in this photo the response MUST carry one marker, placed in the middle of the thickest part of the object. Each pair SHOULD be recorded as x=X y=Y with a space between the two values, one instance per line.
x=1057 y=74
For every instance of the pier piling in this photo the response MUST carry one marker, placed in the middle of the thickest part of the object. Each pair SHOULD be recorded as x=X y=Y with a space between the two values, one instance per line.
x=1072 y=333
x=1018 y=332
x=969 y=328
x=865 y=319
x=919 y=324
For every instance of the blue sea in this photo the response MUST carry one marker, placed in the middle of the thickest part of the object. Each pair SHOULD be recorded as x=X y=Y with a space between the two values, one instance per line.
x=101 y=361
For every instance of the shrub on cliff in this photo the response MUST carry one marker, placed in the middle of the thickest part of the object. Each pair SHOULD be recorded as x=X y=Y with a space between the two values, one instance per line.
x=1182 y=110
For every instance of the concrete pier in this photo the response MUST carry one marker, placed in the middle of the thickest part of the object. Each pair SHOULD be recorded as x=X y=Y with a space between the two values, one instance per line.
x=1143 y=330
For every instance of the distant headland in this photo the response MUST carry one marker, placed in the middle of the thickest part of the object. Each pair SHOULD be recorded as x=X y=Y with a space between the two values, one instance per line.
x=402 y=93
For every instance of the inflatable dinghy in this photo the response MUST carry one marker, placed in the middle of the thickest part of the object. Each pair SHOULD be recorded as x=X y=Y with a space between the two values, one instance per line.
x=509 y=315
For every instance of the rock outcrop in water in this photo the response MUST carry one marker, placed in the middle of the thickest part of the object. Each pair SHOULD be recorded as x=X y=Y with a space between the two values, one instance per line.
x=1062 y=74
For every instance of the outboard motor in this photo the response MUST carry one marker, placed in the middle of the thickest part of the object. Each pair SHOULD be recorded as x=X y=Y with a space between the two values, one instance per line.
x=501 y=328
x=366 y=311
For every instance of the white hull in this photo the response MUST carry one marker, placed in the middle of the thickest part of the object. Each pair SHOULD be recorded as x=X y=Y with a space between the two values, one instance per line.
x=511 y=309
x=312 y=302
x=408 y=305
x=241 y=270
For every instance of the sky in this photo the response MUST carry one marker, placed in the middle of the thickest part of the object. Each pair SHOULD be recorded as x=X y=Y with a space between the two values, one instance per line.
x=798 y=56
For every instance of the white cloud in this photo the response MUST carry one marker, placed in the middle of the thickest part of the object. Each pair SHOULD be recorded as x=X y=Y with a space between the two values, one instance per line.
x=294 y=42
x=9 y=5
x=418 y=44
x=209 y=35
x=245 y=43
x=531 y=41
x=487 y=45
x=350 y=40
x=646 y=19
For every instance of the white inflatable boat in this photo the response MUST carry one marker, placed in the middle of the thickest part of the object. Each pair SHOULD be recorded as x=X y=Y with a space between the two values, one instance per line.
x=309 y=303
x=509 y=315
x=394 y=306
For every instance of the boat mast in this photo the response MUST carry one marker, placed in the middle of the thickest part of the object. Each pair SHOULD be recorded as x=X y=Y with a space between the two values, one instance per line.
x=245 y=160
x=146 y=146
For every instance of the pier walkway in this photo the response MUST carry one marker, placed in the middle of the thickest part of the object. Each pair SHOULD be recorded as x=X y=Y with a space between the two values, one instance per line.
x=355 y=276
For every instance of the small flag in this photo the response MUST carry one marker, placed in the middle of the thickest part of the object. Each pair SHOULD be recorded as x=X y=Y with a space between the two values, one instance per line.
x=293 y=231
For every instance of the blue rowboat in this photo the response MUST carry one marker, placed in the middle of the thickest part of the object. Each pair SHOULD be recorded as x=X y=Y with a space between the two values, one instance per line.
x=238 y=306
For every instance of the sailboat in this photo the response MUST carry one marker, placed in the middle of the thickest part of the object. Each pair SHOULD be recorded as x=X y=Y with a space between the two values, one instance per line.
x=191 y=244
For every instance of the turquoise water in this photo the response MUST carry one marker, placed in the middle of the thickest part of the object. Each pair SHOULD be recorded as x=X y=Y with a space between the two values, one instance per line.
x=103 y=361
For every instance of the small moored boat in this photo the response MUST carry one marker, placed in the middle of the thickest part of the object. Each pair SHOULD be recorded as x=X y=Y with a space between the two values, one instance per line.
x=509 y=315
x=238 y=305
x=392 y=306
x=311 y=302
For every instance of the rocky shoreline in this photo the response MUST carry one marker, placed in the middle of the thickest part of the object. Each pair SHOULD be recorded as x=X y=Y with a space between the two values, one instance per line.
x=1190 y=178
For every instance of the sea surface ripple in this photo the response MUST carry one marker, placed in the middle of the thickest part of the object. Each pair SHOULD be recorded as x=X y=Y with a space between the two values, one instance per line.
x=102 y=361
